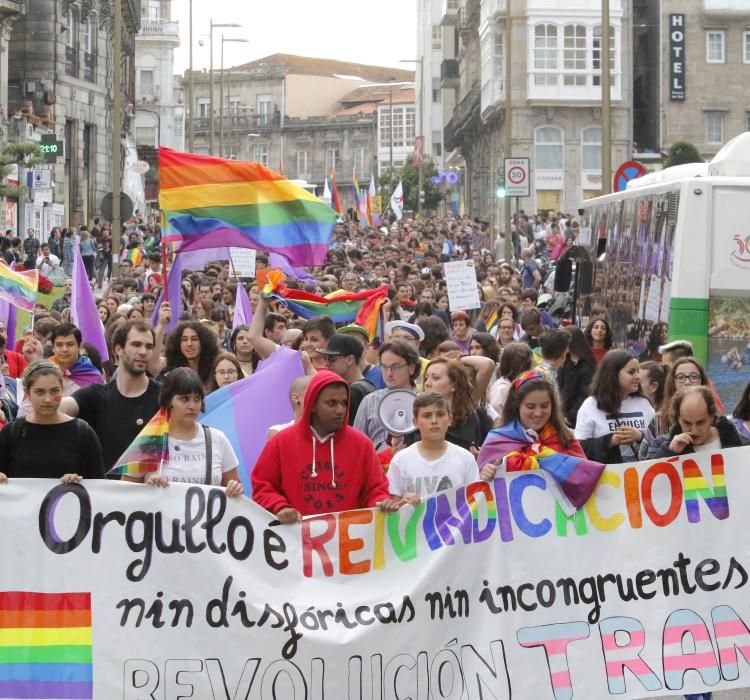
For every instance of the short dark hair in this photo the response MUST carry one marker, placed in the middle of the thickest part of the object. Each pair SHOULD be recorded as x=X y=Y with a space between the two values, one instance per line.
x=529 y=293
x=431 y=398
x=64 y=329
x=554 y=343
x=181 y=381
x=272 y=319
x=515 y=358
x=324 y=324
x=406 y=352
x=120 y=336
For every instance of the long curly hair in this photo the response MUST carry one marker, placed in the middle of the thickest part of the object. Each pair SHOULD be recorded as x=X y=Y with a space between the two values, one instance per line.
x=209 y=349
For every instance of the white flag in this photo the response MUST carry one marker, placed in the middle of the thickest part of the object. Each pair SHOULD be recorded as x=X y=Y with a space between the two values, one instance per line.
x=327 y=198
x=397 y=201
x=372 y=191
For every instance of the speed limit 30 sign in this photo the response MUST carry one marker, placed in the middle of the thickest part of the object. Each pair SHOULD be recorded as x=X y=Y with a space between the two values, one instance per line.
x=517 y=177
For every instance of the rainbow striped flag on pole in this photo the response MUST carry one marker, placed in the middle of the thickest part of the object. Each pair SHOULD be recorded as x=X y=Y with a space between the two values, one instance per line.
x=45 y=645
x=211 y=203
x=149 y=449
x=19 y=287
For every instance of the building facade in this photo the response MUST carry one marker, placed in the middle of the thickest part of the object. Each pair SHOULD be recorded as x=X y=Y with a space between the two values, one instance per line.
x=60 y=67
x=555 y=96
x=699 y=53
x=307 y=117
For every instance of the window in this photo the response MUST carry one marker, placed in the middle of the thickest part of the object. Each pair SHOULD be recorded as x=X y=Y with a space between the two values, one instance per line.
x=437 y=37
x=87 y=38
x=71 y=28
x=746 y=47
x=715 y=124
x=453 y=5
x=332 y=159
x=591 y=148
x=385 y=128
x=154 y=9
x=596 y=53
x=260 y=153
x=145 y=135
x=574 y=55
x=715 y=46
x=361 y=162
x=204 y=104
x=548 y=148
x=147 y=83
x=263 y=109
x=303 y=160
x=437 y=145
x=234 y=106
x=410 y=121
x=436 y=96
x=545 y=54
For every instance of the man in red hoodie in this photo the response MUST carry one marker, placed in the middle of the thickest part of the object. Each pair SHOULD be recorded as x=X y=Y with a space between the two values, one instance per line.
x=320 y=464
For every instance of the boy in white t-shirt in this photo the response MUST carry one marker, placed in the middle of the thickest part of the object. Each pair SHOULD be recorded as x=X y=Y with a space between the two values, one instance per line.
x=432 y=464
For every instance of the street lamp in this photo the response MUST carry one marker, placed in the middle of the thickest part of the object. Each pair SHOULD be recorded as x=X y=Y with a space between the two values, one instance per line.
x=191 y=86
x=213 y=25
x=420 y=107
x=224 y=40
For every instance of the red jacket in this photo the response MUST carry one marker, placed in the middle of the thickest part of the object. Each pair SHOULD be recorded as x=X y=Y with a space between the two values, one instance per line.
x=299 y=471
x=16 y=363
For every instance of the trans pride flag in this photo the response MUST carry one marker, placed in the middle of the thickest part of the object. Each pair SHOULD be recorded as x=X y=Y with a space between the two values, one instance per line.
x=574 y=476
x=45 y=645
x=211 y=202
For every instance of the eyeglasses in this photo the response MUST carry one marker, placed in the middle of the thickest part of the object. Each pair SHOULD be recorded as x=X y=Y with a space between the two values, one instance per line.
x=392 y=368
x=694 y=378
x=330 y=359
x=227 y=372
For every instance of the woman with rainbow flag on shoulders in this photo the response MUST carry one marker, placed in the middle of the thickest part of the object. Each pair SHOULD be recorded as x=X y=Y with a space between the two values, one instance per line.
x=533 y=436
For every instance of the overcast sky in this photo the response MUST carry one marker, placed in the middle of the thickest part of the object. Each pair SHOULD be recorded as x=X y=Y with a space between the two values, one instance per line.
x=378 y=33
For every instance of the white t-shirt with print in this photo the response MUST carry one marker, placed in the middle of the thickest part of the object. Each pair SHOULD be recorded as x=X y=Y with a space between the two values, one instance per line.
x=410 y=472
x=592 y=422
x=187 y=458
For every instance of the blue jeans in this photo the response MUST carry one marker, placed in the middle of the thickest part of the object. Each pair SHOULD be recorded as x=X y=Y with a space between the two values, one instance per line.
x=699 y=696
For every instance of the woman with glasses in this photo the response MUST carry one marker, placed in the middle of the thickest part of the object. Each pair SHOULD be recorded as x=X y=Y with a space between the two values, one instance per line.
x=226 y=370
x=685 y=372
x=399 y=363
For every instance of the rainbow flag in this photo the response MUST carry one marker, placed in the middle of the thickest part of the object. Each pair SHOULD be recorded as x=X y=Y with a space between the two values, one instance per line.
x=491 y=321
x=360 y=203
x=211 y=202
x=135 y=256
x=19 y=287
x=364 y=308
x=45 y=645
x=149 y=449
x=335 y=198
x=372 y=205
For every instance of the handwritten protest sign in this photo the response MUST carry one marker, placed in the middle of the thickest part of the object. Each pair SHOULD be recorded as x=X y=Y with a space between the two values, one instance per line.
x=461 y=284
x=479 y=592
x=243 y=260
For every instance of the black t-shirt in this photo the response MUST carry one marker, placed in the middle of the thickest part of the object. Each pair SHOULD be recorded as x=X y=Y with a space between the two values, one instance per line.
x=357 y=391
x=115 y=418
x=33 y=451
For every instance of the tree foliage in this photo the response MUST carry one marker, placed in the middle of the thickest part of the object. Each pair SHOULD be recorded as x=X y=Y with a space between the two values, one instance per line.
x=408 y=173
x=681 y=152
x=24 y=155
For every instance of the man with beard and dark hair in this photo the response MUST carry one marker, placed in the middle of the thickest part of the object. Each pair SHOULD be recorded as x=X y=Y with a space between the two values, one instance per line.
x=117 y=411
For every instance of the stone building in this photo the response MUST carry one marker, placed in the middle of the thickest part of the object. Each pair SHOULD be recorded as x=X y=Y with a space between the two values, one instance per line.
x=60 y=81
x=305 y=116
x=555 y=96
x=692 y=73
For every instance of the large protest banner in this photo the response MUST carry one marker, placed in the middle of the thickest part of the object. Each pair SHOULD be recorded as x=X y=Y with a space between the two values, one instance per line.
x=113 y=590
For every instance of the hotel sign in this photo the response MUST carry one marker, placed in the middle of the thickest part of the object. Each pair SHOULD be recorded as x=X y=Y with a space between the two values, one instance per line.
x=677 y=58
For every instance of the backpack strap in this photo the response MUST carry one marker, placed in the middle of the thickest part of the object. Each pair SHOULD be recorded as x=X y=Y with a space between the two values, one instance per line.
x=209 y=466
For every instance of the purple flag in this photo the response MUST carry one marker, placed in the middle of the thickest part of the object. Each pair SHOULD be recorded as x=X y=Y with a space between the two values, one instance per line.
x=243 y=312
x=174 y=287
x=245 y=410
x=8 y=317
x=83 y=311
x=276 y=260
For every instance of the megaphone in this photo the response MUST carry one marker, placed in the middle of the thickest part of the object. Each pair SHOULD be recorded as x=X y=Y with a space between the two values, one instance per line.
x=395 y=411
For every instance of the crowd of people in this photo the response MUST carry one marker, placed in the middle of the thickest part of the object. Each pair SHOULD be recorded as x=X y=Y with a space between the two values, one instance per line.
x=507 y=373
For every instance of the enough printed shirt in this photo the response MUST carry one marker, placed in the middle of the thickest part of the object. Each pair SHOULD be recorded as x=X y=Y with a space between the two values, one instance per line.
x=635 y=412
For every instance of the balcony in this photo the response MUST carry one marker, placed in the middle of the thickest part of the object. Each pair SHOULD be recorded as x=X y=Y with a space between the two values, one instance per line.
x=163 y=29
x=449 y=77
x=89 y=67
x=71 y=61
x=491 y=10
x=493 y=93
x=734 y=7
x=449 y=13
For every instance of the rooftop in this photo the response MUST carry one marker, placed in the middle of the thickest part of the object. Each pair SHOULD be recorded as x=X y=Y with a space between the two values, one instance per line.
x=306 y=65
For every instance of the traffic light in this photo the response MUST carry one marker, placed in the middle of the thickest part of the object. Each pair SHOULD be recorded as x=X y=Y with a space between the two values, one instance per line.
x=500 y=188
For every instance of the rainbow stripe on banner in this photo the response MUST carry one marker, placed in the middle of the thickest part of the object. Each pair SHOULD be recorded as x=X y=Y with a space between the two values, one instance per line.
x=19 y=287
x=211 y=202
x=135 y=256
x=491 y=321
x=45 y=646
